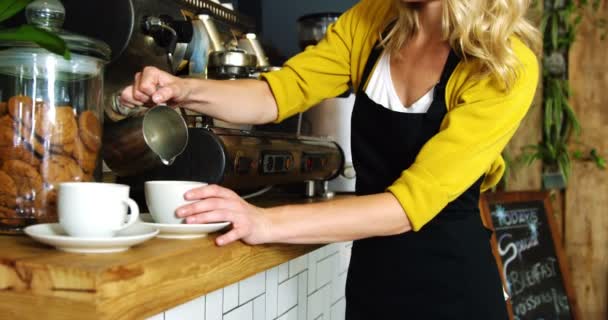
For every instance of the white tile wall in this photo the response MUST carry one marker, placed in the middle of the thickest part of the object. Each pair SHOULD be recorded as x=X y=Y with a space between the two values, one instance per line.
x=231 y=297
x=259 y=308
x=252 y=287
x=338 y=309
x=310 y=287
x=326 y=304
x=338 y=286
x=313 y=257
x=318 y=303
x=288 y=295
x=160 y=316
x=272 y=289
x=213 y=305
x=325 y=270
x=291 y=314
x=187 y=311
x=283 y=272
x=244 y=312
x=344 y=259
x=298 y=265
x=333 y=248
x=302 y=295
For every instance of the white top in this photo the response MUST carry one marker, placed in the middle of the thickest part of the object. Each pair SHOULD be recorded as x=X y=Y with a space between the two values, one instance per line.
x=381 y=90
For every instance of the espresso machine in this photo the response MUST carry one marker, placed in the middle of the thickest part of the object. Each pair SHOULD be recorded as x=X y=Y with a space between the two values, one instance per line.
x=205 y=40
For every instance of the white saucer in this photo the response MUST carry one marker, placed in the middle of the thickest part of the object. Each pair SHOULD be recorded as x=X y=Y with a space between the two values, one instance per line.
x=54 y=235
x=182 y=231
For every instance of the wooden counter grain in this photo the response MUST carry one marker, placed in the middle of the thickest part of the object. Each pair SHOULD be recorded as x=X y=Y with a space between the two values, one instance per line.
x=38 y=282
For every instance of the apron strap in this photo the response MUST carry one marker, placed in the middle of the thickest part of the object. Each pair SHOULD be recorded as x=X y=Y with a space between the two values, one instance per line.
x=373 y=57
x=448 y=69
x=369 y=66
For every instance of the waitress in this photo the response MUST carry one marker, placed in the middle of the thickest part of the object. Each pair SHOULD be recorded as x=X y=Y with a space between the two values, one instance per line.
x=442 y=86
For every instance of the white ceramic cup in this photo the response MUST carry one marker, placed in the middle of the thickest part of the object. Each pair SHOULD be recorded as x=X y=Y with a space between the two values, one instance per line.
x=164 y=197
x=95 y=210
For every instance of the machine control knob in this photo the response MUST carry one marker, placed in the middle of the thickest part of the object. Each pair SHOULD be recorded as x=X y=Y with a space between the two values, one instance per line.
x=349 y=172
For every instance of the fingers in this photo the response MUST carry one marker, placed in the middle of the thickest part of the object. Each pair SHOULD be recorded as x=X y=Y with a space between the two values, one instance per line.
x=213 y=197
x=138 y=95
x=206 y=205
x=165 y=94
x=210 y=191
x=149 y=81
x=153 y=80
x=127 y=99
x=151 y=85
x=242 y=228
x=214 y=216
x=218 y=204
x=232 y=236
x=235 y=234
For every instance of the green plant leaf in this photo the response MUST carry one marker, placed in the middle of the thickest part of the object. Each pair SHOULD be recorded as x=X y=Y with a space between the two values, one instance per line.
x=551 y=153
x=529 y=158
x=564 y=164
x=600 y=161
x=9 y=8
x=568 y=88
x=548 y=154
x=41 y=37
x=548 y=119
x=554 y=31
x=558 y=118
x=543 y=23
x=576 y=125
x=530 y=153
x=559 y=27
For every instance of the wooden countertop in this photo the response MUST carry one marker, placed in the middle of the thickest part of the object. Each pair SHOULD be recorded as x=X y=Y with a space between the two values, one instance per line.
x=38 y=281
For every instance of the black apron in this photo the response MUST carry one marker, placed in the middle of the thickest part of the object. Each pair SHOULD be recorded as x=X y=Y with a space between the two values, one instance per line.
x=444 y=271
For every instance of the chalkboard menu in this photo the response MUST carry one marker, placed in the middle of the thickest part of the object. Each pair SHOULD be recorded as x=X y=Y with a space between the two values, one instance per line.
x=529 y=255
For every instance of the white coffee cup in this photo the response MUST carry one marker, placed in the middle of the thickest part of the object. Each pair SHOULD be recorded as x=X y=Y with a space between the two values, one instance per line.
x=164 y=197
x=95 y=210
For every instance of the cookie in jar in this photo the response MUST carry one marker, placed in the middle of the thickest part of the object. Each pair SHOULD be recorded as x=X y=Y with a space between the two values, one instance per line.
x=41 y=146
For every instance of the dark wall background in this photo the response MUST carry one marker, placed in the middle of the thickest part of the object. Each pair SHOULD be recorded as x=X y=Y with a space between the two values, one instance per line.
x=277 y=19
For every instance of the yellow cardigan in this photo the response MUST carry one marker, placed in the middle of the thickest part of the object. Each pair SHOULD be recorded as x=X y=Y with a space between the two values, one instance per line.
x=480 y=121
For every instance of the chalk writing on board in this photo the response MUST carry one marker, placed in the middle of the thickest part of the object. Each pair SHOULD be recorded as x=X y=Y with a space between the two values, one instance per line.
x=530 y=266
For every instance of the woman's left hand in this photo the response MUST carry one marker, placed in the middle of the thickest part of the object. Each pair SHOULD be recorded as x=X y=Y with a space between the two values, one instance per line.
x=218 y=204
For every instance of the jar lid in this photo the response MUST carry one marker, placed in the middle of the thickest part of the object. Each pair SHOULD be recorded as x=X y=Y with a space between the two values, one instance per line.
x=50 y=15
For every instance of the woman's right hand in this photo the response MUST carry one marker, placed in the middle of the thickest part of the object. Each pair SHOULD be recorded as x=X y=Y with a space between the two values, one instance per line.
x=153 y=86
x=246 y=101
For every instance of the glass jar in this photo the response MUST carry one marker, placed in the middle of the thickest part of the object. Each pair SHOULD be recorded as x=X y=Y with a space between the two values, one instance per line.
x=50 y=119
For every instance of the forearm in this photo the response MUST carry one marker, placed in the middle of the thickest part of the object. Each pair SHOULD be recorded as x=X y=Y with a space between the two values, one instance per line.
x=338 y=220
x=236 y=101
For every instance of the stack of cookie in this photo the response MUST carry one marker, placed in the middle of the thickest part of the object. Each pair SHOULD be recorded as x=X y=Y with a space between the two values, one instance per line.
x=41 y=146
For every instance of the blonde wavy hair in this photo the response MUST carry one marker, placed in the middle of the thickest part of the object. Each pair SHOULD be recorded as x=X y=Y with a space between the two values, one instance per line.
x=478 y=30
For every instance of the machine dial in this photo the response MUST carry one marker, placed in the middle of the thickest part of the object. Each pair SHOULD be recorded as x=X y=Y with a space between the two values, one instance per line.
x=349 y=172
